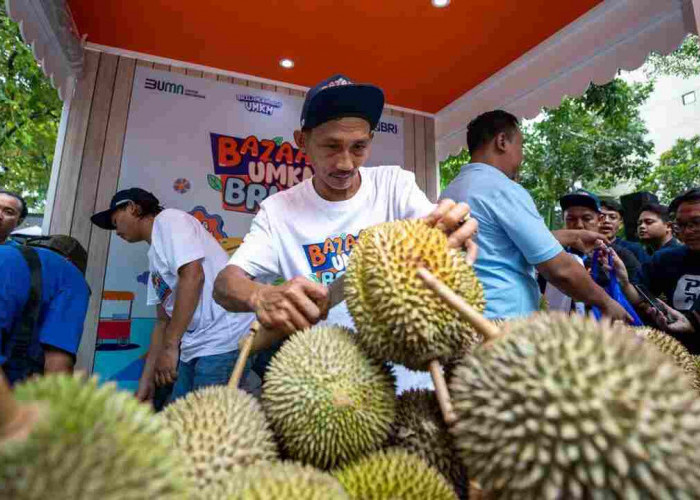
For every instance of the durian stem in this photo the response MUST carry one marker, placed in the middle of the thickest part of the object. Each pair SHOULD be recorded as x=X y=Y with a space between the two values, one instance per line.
x=482 y=325
x=243 y=356
x=442 y=393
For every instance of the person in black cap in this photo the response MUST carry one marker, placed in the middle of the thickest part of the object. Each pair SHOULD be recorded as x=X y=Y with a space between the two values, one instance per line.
x=305 y=234
x=611 y=217
x=582 y=211
x=43 y=303
x=194 y=342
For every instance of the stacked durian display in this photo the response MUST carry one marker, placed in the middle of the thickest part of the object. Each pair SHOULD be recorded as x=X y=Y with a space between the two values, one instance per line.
x=552 y=407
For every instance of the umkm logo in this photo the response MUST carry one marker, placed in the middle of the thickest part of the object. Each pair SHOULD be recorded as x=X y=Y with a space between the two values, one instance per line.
x=164 y=86
x=257 y=104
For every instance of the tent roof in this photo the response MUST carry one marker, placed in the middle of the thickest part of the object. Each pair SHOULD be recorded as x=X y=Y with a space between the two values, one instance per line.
x=422 y=56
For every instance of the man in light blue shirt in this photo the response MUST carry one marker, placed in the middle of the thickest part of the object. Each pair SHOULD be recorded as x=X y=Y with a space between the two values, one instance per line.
x=513 y=239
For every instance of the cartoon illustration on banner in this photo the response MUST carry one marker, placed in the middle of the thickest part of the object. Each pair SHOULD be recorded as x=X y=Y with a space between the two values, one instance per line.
x=252 y=169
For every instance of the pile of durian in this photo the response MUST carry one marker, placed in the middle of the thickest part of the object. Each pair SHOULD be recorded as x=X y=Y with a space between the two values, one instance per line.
x=555 y=407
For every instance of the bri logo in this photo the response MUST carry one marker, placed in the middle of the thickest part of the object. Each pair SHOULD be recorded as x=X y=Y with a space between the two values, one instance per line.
x=258 y=104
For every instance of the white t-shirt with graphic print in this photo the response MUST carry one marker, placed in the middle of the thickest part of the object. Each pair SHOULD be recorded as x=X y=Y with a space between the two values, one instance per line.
x=178 y=239
x=298 y=233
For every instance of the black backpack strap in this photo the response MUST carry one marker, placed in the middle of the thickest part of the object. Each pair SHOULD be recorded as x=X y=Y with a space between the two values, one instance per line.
x=25 y=330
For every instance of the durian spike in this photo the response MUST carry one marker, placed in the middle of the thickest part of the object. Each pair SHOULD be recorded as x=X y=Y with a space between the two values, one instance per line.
x=16 y=420
x=441 y=392
x=482 y=325
x=243 y=356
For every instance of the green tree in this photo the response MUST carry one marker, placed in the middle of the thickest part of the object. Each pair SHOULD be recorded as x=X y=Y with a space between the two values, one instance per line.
x=450 y=167
x=596 y=139
x=683 y=62
x=678 y=170
x=30 y=111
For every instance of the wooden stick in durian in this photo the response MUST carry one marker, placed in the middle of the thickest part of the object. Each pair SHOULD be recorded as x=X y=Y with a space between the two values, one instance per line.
x=16 y=419
x=482 y=325
x=245 y=348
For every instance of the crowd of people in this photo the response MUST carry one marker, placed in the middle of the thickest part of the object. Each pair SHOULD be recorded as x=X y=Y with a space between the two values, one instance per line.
x=207 y=302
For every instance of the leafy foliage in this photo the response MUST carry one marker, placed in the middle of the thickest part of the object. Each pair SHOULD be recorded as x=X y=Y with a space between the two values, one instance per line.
x=450 y=167
x=678 y=170
x=598 y=138
x=683 y=62
x=30 y=111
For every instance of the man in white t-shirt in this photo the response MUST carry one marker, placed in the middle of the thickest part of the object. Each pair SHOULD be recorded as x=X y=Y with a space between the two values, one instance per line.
x=306 y=233
x=194 y=342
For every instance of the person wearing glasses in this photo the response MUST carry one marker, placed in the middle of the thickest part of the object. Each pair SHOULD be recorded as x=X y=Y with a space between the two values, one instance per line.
x=675 y=272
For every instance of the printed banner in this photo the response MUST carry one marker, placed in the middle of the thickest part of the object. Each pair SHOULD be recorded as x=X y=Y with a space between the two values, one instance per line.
x=217 y=151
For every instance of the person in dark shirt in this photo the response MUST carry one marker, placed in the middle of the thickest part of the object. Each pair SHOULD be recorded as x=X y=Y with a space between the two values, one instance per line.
x=611 y=217
x=582 y=211
x=655 y=228
x=675 y=273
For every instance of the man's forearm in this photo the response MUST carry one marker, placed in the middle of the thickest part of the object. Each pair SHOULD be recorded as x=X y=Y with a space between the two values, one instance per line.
x=157 y=339
x=564 y=272
x=235 y=291
x=566 y=237
x=187 y=295
x=580 y=286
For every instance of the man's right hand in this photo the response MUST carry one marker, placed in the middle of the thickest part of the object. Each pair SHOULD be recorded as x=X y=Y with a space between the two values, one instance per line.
x=614 y=311
x=296 y=304
x=147 y=388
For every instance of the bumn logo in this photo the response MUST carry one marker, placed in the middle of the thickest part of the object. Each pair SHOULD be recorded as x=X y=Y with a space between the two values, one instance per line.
x=164 y=86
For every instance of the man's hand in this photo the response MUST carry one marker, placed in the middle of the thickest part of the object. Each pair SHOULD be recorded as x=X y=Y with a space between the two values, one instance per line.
x=453 y=218
x=166 y=365
x=582 y=240
x=619 y=266
x=147 y=388
x=679 y=324
x=613 y=310
x=297 y=304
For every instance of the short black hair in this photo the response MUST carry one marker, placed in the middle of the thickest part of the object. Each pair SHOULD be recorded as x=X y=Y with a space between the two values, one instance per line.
x=690 y=196
x=657 y=209
x=24 y=212
x=146 y=207
x=612 y=204
x=482 y=129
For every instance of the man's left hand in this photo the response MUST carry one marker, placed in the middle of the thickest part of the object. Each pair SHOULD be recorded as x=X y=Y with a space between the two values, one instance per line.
x=166 y=365
x=453 y=218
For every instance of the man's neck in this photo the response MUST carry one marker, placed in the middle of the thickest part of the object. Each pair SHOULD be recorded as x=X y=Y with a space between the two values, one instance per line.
x=147 y=228
x=337 y=195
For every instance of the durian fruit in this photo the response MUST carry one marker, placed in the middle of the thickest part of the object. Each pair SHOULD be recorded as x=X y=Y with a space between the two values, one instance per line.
x=280 y=481
x=419 y=428
x=669 y=345
x=218 y=428
x=566 y=407
x=326 y=400
x=398 y=318
x=393 y=474
x=90 y=442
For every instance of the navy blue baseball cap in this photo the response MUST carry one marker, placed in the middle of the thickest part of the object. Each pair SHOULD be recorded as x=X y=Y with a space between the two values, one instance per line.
x=104 y=219
x=338 y=97
x=580 y=198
